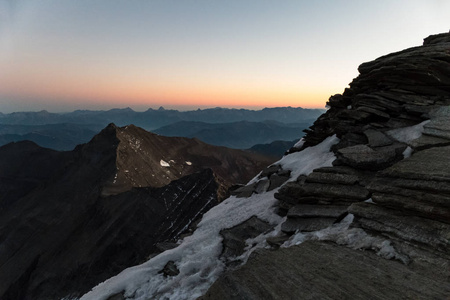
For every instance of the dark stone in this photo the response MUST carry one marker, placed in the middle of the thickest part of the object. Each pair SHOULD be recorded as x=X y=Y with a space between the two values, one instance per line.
x=163 y=246
x=170 y=269
x=276 y=181
x=430 y=164
x=234 y=238
x=374 y=113
x=377 y=138
x=333 y=178
x=364 y=157
x=439 y=125
x=426 y=142
x=244 y=191
x=262 y=186
x=351 y=192
x=311 y=211
x=291 y=225
x=277 y=241
x=270 y=170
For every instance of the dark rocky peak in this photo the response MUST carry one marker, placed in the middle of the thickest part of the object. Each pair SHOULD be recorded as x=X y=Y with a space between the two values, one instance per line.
x=142 y=158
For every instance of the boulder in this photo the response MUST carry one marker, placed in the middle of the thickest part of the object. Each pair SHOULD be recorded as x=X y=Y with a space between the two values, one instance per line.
x=276 y=181
x=364 y=157
x=234 y=238
x=170 y=269
x=377 y=138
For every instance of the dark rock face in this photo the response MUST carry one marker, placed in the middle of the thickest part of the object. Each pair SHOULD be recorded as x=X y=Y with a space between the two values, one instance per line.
x=392 y=173
x=70 y=220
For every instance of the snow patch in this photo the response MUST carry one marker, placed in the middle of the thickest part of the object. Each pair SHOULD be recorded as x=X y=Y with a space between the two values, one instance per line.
x=355 y=238
x=305 y=161
x=164 y=163
x=198 y=256
x=407 y=134
x=188 y=163
x=300 y=143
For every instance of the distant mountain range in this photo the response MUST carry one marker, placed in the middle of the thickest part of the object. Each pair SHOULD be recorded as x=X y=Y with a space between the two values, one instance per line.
x=55 y=136
x=152 y=119
x=234 y=128
x=240 y=135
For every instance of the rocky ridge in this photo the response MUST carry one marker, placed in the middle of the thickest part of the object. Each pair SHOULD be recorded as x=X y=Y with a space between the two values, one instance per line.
x=391 y=175
x=70 y=220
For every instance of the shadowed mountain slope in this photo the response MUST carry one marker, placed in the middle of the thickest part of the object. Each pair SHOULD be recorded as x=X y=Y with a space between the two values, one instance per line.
x=69 y=220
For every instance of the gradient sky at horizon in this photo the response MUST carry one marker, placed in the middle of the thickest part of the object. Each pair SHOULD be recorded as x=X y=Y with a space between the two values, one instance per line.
x=65 y=55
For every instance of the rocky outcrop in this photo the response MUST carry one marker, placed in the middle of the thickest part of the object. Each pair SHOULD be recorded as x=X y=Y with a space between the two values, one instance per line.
x=70 y=220
x=322 y=198
x=379 y=120
x=392 y=173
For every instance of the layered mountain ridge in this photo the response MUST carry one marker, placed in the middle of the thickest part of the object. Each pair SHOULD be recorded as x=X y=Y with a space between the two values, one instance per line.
x=67 y=215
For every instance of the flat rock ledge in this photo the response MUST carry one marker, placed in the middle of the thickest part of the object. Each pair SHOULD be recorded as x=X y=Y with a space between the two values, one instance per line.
x=308 y=271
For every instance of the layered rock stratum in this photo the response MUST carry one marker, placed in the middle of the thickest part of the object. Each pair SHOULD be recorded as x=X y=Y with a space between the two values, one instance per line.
x=390 y=180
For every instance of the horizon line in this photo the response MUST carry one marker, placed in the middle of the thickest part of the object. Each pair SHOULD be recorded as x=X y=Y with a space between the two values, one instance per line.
x=181 y=108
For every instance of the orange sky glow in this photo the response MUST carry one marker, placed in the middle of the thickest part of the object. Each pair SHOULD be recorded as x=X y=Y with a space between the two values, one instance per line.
x=66 y=55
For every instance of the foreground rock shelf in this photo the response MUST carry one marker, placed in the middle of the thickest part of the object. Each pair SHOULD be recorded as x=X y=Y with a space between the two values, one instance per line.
x=318 y=270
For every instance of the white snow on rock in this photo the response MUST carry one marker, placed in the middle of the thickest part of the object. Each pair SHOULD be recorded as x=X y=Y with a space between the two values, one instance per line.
x=300 y=143
x=355 y=238
x=408 y=151
x=164 y=163
x=197 y=256
x=188 y=163
x=407 y=134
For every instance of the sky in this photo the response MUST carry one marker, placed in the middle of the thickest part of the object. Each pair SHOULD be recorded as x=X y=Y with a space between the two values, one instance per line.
x=64 y=55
